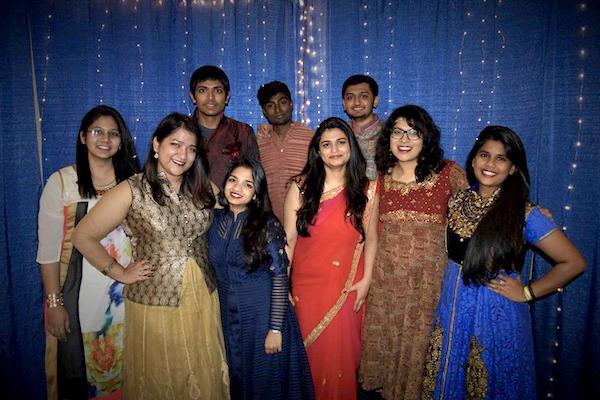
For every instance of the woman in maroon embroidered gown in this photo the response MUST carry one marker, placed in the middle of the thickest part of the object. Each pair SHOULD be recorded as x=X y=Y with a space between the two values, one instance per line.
x=415 y=183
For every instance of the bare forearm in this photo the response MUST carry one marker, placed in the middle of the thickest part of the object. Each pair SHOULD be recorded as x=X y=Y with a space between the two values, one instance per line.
x=51 y=277
x=557 y=277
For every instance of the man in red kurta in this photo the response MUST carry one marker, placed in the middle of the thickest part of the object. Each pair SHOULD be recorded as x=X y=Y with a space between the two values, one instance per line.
x=283 y=144
x=225 y=139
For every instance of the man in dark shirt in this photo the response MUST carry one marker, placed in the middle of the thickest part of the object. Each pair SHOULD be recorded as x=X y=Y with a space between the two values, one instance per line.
x=225 y=139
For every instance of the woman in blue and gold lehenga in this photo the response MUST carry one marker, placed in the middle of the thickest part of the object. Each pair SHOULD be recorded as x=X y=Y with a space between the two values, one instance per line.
x=481 y=345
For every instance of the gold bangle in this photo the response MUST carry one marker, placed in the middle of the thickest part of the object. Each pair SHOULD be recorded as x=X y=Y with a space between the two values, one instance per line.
x=111 y=265
x=527 y=293
x=54 y=300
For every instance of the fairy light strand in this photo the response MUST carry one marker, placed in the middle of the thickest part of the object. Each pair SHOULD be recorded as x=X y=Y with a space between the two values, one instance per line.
x=248 y=63
x=392 y=37
x=99 y=71
x=184 y=59
x=365 y=41
x=301 y=60
x=138 y=46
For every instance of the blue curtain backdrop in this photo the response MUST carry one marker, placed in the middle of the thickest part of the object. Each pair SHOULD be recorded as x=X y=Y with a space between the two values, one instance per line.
x=531 y=65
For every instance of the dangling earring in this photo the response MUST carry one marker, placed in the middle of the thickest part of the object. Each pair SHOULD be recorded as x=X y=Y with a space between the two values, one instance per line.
x=156 y=155
x=119 y=148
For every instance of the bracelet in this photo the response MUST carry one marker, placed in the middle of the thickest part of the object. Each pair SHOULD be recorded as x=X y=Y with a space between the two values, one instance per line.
x=527 y=293
x=54 y=300
x=531 y=291
x=275 y=330
x=112 y=264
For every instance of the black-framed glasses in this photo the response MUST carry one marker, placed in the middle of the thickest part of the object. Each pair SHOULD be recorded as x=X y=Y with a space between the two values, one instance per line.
x=411 y=134
x=97 y=132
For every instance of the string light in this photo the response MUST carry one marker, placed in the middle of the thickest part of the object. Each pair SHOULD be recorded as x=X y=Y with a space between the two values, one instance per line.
x=264 y=45
x=47 y=38
x=99 y=58
x=248 y=64
x=391 y=68
x=138 y=47
x=301 y=62
x=462 y=91
x=365 y=25
x=184 y=64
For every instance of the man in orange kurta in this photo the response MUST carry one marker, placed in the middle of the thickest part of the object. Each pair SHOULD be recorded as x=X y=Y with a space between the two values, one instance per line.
x=282 y=144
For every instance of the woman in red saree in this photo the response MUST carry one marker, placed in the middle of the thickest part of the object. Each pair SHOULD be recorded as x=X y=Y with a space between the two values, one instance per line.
x=330 y=220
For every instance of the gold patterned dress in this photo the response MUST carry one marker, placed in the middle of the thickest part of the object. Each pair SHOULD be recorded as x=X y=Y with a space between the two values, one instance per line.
x=406 y=283
x=174 y=345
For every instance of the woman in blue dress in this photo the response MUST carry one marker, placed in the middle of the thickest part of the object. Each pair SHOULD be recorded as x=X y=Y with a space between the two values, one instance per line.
x=481 y=345
x=265 y=353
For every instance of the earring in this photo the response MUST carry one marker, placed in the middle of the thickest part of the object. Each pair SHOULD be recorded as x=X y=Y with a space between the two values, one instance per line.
x=156 y=155
x=120 y=147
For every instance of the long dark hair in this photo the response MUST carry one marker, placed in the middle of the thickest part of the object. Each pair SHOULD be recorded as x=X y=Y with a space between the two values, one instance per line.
x=314 y=171
x=431 y=158
x=254 y=228
x=498 y=243
x=195 y=181
x=125 y=161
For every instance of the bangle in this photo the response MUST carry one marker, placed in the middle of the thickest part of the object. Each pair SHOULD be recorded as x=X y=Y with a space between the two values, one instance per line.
x=275 y=330
x=527 y=292
x=533 y=297
x=54 y=300
x=111 y=265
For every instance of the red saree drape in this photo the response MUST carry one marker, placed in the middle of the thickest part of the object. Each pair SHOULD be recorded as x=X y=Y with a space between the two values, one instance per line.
x=325 y=265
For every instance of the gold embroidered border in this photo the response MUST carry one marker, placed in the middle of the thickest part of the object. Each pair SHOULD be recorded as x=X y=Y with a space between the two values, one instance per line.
x=331 y=193
x=405 y=187
x=433 y=360
x=476 y=382
x=70 y=212
x=316 y=332
x=409 y=215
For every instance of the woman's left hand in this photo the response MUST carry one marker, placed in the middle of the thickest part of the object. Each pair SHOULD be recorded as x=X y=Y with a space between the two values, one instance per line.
x=362 y=289
x=508 y=287
x=273 y=342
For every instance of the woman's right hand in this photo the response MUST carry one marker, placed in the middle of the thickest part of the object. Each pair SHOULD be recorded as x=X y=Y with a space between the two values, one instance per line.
x=58 y=322
x=137 y=271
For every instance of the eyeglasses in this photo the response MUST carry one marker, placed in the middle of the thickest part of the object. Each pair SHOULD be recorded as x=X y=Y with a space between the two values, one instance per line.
x=97 y=132
x=411 y=134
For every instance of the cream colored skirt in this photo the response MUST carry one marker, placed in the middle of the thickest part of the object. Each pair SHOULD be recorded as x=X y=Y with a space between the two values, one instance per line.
x=176 y=352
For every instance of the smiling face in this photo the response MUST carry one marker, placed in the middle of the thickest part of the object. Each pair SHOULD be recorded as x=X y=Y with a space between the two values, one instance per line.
x=334 y=148
x=491 y=167
x=278 y=110
x=359 y=101
x=210 y=97
x=239 y=189
x=102 y=138
x=176 y=154
x=403 y=144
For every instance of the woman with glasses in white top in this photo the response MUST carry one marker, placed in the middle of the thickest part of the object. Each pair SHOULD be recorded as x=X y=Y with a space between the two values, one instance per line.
x=84 y=309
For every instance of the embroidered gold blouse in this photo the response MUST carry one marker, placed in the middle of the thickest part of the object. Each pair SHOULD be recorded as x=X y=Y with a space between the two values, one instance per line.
x=167 y=236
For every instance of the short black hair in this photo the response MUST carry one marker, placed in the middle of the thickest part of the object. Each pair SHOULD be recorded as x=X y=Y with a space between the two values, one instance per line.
x=358 y=79
x=268 y=90
x=209 y=73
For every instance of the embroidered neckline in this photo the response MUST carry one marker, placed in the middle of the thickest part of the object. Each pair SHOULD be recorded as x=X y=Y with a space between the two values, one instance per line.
x=330 y=194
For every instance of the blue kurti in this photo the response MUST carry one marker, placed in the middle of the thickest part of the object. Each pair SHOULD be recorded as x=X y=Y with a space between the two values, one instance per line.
x=481 y=345
x=251 y=304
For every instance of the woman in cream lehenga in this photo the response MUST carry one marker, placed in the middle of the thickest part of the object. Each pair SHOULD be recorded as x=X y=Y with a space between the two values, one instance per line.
x=331 y=226
x=173 y=339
